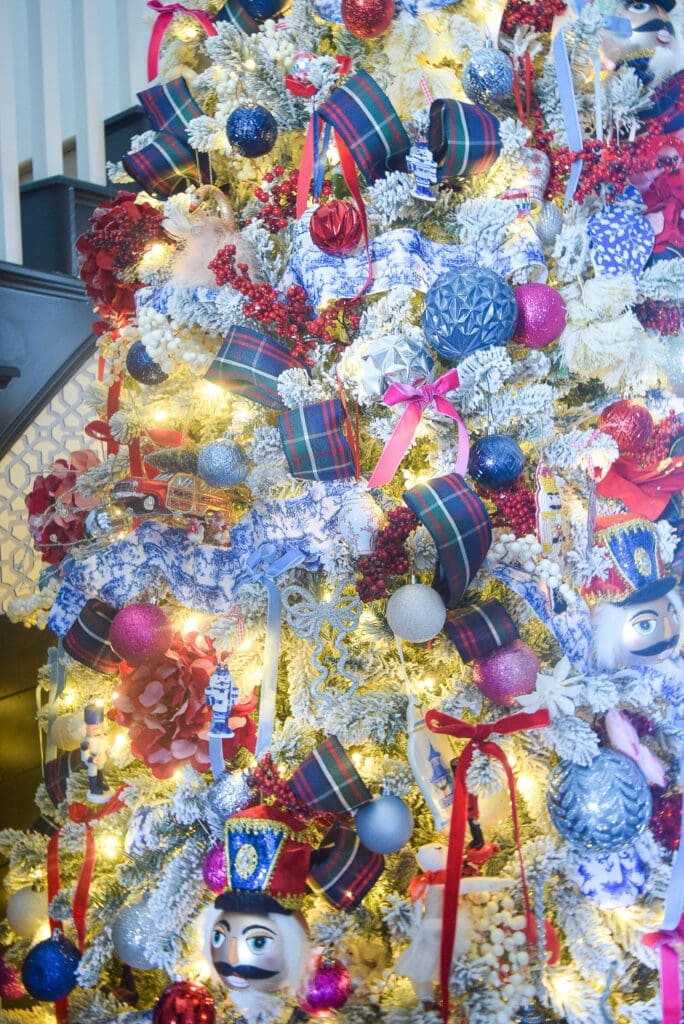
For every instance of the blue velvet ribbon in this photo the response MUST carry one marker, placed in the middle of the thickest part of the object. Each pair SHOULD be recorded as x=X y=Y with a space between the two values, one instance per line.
x=264 y=566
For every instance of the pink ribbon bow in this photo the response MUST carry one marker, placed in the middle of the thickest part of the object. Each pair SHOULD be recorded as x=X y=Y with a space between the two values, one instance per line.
x=418 y=397
x=165 y=13
x=670 y=991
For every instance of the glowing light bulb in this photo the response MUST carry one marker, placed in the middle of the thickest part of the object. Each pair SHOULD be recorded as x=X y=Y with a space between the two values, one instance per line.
x=160 y=415
x=110 y=846
x=250 y=64
x=191 y=624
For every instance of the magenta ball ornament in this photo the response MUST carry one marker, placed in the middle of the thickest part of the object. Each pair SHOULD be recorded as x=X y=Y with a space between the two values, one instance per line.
x=11 y=987
x=541 y=315
x=384 y=825
x=507 y=673
x=214 y=871
x=367 y=19
x=140 y=633
x=328 y=987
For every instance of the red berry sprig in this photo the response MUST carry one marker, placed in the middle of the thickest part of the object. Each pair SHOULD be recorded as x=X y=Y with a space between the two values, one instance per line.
x=515 y=508
x=389 y=557
x=278 y=194
x=658 y=446
x=660 y=316
x=538 y=13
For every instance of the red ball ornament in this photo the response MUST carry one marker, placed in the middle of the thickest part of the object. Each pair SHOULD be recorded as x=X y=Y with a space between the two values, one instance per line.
x=328 y=987
x=184 y=1002
x=507 y=672
x=367 y=18
x=335 y=227
x=628 y=423
x=541 y=315
x=140 y=633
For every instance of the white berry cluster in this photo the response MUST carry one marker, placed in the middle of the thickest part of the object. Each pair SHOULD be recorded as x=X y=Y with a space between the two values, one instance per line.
x=499 y=942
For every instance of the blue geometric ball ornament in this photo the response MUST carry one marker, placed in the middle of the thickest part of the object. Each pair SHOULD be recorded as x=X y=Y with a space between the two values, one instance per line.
x=261 y=10
x=496 y=461
x=142 y=366
x=604 y=805
x=468 y=309
x=222 y=464
x=49 y=970
x=487 y=76
x=252 y=130
x=384 y=825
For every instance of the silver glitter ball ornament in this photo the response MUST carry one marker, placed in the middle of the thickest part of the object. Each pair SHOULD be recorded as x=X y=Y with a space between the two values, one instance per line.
x=394 y=358
x=222 y=464
x=549 y=223
x=487 y=76
x=603 y=805
x=131 y=930
x=229 y=794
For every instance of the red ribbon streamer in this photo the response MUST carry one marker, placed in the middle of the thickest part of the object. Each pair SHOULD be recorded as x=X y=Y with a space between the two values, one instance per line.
x=523 y=114
x=99 y=430
x=85 y=815
x=478 y=737
x=670 y=990
x=165 y=15
x=645 y=492
x=351 y=429
x=418 y=397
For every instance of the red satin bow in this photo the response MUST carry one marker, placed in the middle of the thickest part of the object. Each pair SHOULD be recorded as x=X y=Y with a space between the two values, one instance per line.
x=670 y=990
x=645 y=492
x=418 y=885
x=418 y=397
x=165 y=13
x=478 y=737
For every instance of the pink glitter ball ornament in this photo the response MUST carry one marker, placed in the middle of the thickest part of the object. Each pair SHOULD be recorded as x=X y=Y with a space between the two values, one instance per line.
x=507 y=672
x=11 y=987
x=541 y=315
x=214 y=870
x=328 y=987
x=140 y=633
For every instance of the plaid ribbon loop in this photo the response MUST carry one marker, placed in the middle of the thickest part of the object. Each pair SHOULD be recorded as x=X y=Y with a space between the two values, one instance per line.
x=314 y=441
x=249 y=364
x=235 y=14
x=168 y=163
x=459 y=525
x=479 y=628
x=463 y=137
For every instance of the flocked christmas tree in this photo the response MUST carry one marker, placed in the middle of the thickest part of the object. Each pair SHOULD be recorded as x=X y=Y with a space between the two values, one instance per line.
x=367 y=698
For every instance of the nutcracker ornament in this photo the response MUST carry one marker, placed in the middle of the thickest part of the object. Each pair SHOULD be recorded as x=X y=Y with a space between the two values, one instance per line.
x=94 y=753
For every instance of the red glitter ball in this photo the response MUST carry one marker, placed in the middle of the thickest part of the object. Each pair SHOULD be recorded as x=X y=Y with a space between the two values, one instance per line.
x=367 y=18
x=628 y=423
x=184 y=1002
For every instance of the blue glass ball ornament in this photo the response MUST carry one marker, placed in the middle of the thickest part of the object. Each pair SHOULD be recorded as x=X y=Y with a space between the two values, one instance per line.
x=261 y=10
x=496 y=461
x=142 y=366
x=252 y=130
x=487 y=76
x=468 y=309
x=49 y=970
x=222 y=464
x=604 y=805
x=384 y=825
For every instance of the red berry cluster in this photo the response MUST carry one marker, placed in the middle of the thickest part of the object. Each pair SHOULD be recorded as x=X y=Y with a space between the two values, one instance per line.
x=515 y=508
x=289 y=316
x=389 y=557
x=274 y=789
x=537 y=13
x=660 y=316
x=660 y=442
x=279 y=197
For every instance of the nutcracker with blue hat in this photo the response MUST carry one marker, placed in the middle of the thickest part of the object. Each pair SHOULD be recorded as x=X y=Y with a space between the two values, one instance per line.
x=636 y=610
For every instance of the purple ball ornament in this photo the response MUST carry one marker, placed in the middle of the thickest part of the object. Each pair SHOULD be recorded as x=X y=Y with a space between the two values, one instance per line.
x=214 y=870
x=496 y=461
x=541 y=315
x=507 y=673
x=384 y=825
x=327 y=989
x=140 y=633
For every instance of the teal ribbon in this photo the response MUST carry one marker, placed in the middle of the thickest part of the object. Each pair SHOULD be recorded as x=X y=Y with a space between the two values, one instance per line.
x=264 y=566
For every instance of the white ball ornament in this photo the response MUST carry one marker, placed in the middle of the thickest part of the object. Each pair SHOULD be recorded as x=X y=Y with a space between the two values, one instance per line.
x=68 y=731
x=384 y=825
x=27 y=910
x=416 y=613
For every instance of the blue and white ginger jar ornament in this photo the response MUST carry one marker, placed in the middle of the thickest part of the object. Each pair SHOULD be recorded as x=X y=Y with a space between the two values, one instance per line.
x=610 y=878
x=621 y=238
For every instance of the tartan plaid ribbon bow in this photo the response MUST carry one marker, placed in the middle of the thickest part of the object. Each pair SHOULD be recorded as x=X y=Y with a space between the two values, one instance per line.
x=418 y=397
x=249 y=364
x=479 y=738
x=168 y=163
x=165 y=15
x=264 y=566
x=666 y=941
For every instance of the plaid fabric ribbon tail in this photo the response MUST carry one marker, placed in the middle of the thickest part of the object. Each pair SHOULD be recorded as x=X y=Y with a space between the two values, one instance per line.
x=314 y=441
x=463 y=137
x=249 y=364
x=479 y=628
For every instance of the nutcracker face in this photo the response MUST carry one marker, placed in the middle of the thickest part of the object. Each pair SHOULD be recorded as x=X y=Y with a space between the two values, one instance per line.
x=650 y=631
x=248 y=951
x=651 y=30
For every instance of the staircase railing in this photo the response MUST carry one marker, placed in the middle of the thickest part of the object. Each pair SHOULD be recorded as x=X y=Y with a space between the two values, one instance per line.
x=65 y=66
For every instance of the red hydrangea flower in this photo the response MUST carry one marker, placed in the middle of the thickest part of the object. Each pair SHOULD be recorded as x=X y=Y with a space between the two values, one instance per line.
x=164 y=710
x=121 y=230
x=56 y=508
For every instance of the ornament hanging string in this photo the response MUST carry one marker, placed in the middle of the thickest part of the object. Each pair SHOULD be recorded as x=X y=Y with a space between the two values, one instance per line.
x=165 y=15
x=478 y=737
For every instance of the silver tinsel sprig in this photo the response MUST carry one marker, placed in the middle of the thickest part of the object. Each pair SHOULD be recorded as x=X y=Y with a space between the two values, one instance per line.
x=397 y=914
x=663 y=281
x=296 y=388
x=292 y=740
x=528 y=411
x=390 y=200
x=600 y=693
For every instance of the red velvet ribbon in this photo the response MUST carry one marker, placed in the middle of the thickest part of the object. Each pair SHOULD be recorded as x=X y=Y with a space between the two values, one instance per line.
x=351 y=429
x=523 y=113
x=670 y=989
x=101 y=431
x=478 y=737
x=645 y=492
x=165 y=13
x=418 y=885
x=418 y=397
x=86 y=815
